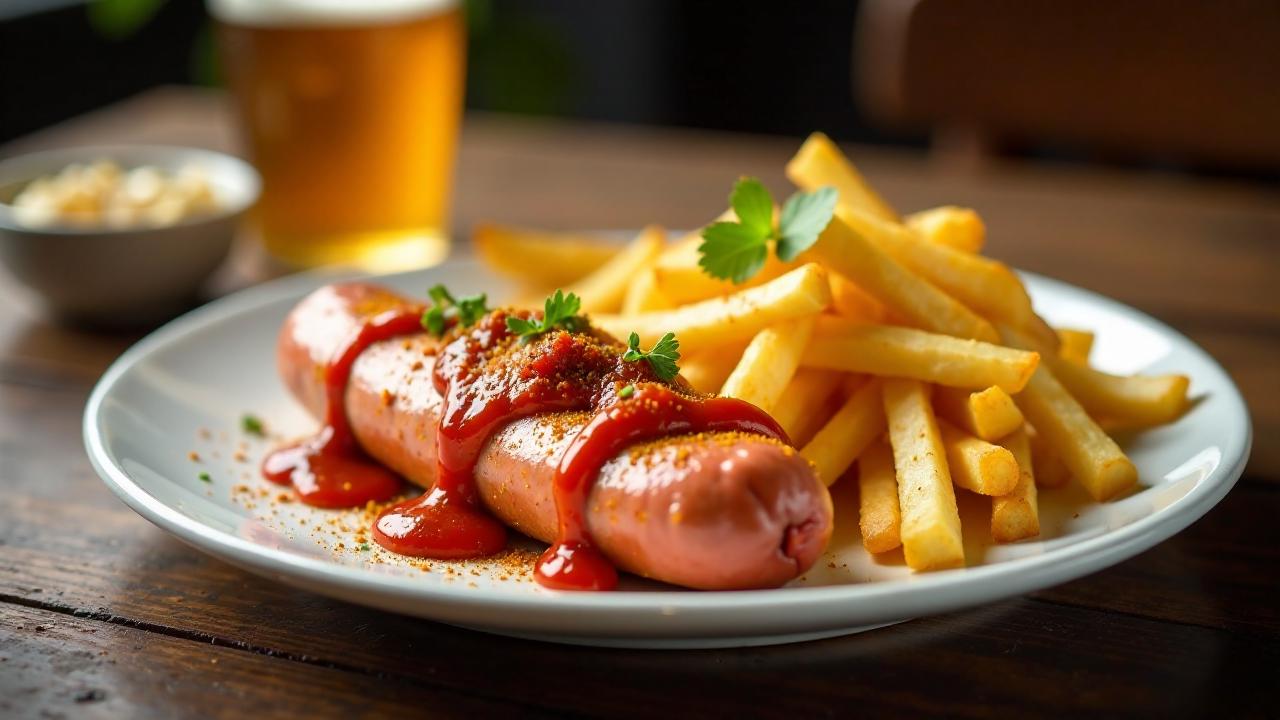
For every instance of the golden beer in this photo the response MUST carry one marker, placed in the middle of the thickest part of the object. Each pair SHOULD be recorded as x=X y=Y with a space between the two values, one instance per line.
x=351 y=110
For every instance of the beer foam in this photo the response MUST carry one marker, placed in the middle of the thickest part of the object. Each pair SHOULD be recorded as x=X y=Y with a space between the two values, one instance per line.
x=287 y=13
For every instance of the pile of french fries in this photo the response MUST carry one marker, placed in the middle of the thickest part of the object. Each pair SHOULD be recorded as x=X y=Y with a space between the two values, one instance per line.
x=894 y=354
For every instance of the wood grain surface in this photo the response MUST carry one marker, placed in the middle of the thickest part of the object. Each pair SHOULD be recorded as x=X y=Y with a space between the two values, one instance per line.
x=103 y=615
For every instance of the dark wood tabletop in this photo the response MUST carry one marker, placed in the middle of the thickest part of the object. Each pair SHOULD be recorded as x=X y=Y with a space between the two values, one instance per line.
x=104 y=615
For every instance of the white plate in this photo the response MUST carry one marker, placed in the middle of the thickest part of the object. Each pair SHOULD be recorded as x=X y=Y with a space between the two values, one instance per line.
x=185 y=387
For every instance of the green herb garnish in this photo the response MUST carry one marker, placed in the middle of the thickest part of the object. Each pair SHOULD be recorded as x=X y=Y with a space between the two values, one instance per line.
x=662 y=358
x=205 y=477
x=467 y=310
x=252 y=425
x=737 y=250
x=627 y=392
x=365 y=547
x=559 y=311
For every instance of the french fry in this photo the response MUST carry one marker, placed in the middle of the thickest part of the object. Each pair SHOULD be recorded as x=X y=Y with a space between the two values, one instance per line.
x=848 y=253
x=957 y=227
x=540 y=259
x=706 y=371
x=980 y=283
x=853 y=382
x=736 y=318
x=985 y=285
x=1050 y=472
x=853 y=302
x=854 y=426
x=809 y=393
x=682 y=280
x=1127 y=401
x=685 y=283
x=819 y=162
x=879 y=515
x=643 y=294
x=1092 y=457
x=930 y=531
x=604 y=289
x=1075 y=345
x=1016 y=515
x=976 y=464
x=838 y=344
x=1043 y=334
x=769 y=362
x=988 y=414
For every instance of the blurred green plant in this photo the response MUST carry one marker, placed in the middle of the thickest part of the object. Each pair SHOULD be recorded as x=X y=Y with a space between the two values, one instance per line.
x=121 y=19
x=515 y=64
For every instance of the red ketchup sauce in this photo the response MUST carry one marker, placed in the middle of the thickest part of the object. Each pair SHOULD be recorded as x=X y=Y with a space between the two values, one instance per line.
x=329 y=469
x=487 y=378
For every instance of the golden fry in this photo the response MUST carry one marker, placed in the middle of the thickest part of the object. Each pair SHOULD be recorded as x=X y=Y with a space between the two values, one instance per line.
x=905 y=352
x=956 y=227
x=769 y=362
x=982 y=284
x=848 y=253
x=931 y=536
x=811 y=398
x=819 y=162
x=683 y=282
x=540 y=259
x=603 y=290
x=879 y=515
x=643 y=294
x=1016 y=516
x=853 y=302
x=1092 y=457
x=680 y=278
x=976 y=464
x=858 y=422
x=706 y=371
x=1050 y=472
x=988 y=414
x=733 y=319
x=1131 y=401
x=1075 y=345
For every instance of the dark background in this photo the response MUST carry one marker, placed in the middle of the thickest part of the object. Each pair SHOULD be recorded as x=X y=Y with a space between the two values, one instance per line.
x=755 y=67
x=1170 y=86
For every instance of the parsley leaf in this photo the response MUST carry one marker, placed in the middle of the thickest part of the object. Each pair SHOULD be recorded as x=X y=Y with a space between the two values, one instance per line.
x=737 y=250
x=662 y=358
x=472 y=308
x=433 y=320
x=205 y=477
x=803 y=217
x=732 y=252
x=252 y=425
x=753 y=205
x=559 y=311
x=467 y=310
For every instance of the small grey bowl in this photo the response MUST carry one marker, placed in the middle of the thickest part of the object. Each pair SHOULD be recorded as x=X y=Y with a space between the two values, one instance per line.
x=122 y=276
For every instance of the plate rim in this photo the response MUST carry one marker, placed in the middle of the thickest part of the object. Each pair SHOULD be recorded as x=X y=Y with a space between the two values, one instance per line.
x=917 y=594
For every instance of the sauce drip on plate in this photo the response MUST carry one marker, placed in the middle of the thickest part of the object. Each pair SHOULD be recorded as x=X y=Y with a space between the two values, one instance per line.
x=487 y=378
x=329 y=469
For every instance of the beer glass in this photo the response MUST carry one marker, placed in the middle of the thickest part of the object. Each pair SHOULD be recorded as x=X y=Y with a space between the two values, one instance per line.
x=351 y=112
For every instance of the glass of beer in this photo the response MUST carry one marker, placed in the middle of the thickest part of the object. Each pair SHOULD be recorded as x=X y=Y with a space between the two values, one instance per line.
x=351 y=111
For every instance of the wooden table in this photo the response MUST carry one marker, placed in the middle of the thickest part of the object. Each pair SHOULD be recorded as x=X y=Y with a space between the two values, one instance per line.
x=102 y=614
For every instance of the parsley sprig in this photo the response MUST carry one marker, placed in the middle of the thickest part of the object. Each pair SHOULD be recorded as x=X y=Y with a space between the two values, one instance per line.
x=663 y=358
x=252 y=425
x=737 y=250
x=467 y=310
x=559 y=311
